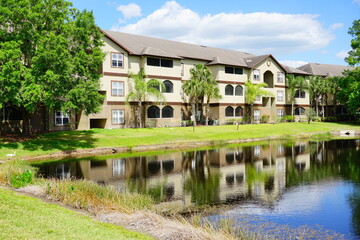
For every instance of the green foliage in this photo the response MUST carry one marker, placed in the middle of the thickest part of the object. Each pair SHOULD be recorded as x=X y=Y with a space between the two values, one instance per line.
x=350 y=90
x=289 y=118
x=265 y=118
x=21 y=180
x=354 y=55
x=310 y=114
x=330 y=119
x=141 y=90
x=293 y=84
x=50 y=54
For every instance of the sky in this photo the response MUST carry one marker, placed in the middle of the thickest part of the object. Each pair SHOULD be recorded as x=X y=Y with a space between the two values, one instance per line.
x=295 y=32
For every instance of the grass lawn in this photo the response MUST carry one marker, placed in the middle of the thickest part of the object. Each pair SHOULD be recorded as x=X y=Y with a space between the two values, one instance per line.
x=71 y=140
x=23 y=217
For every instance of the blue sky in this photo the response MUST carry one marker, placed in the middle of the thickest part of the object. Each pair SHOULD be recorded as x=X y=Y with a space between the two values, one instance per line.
x=295 y=32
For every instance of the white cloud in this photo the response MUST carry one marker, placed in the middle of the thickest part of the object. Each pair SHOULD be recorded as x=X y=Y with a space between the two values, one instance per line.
x=130 y=10
x=337 y=25
x=257 y=33
x=342 y=54
x=293 y=63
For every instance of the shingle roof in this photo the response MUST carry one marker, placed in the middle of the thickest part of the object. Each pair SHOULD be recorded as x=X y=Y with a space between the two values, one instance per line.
x=291 y=70
x=141 y=45
x=324 y=70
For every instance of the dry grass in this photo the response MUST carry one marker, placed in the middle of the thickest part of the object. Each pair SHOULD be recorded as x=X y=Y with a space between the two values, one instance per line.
x=94 y=198
x=12 y=168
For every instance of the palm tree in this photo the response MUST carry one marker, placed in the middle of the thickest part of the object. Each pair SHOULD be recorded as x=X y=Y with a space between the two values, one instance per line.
x=314 y=90
x=295 y=83
x=253 y=91
x=333 y=87
x=142 y=90
x=201 y=85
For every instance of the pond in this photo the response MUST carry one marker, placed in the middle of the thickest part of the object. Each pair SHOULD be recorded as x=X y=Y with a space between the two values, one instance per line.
x=293 y=183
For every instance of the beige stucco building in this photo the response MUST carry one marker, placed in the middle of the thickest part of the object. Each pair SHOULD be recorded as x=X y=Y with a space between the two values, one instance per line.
x=171 y=62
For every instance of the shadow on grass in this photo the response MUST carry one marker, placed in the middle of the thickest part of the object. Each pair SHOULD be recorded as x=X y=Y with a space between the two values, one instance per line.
x=61 y=141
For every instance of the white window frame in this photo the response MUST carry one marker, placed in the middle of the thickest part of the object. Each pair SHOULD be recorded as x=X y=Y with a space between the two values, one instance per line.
x=280 y=77
x=280 y=96
x=118 y=58
x=256 y=74
x=118 y=116
x=117 y=88
x=257 y=114
x=118 y=167
x=61 y=116
x=280 y=113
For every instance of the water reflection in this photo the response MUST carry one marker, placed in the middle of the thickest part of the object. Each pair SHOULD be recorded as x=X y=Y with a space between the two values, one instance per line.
x=259 y=172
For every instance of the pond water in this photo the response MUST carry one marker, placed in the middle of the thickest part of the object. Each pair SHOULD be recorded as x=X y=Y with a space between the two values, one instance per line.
x=293 y=183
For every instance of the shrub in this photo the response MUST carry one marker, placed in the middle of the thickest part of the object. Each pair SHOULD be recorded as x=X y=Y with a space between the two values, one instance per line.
x=265 y=118
x=317 y=119
x=289 y=118
x=21 y=180
x=330 y=119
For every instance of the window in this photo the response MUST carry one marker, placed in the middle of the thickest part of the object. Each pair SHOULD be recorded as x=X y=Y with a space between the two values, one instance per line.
x=117 y=88
x=280 y=113
x=256 y=115
x=118 y=167
x=300 y=94
x=257 y=150
x=239 y=112
x=299 y=111
x=238 y=90
x=229 y=90
x=61 y=118
x=117 y=59
x=280 y=96
x=167 y=112
x=229 y=112
x=118 y=116
x=280 y=77
x=256 y=74
x=169 y=87
x=153 y=112
x=233 y=70
x=159 y=62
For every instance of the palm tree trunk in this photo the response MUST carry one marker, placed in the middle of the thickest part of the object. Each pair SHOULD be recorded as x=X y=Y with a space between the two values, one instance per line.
x=334 y=102
x=323 y=107
x=139 y=114
x=207 y=108
x=193 y=111
x=292 y=108
x=317 y=106
x=251 y=113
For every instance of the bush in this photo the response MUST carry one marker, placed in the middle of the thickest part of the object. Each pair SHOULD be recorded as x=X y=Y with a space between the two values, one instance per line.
x=330 y=119
x=317 y=119
x=21 y=180
x=347 y=117
x=289 y=118
x=265 y=118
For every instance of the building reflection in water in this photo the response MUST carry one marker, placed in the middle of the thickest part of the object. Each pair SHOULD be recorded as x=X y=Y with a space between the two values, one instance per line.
x=259 y=173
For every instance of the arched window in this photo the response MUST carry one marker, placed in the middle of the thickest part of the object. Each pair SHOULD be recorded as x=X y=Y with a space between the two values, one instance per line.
x=169 y=87
x=167 y=112
x=238 y=90
x=229 y=111
x=299 y=111
x=153 y=112
x=239 y=112
x=229 y=90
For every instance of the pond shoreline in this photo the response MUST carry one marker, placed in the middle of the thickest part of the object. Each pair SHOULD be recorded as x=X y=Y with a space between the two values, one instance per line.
x=185 y=145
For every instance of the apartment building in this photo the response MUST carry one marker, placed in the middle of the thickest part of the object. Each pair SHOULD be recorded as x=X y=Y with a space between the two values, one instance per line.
x=170 y=62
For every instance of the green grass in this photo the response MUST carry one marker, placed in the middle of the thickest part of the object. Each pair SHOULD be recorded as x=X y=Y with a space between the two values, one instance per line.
x=23 y=217
x=72 y=140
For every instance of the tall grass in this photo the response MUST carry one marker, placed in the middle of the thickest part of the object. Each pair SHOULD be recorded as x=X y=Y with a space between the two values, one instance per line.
x=95 y=198
x=10 y=170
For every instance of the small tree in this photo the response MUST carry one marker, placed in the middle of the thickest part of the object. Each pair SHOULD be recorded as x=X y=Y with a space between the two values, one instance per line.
x=142 y=90
x=253 y=91
x=310 y=114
